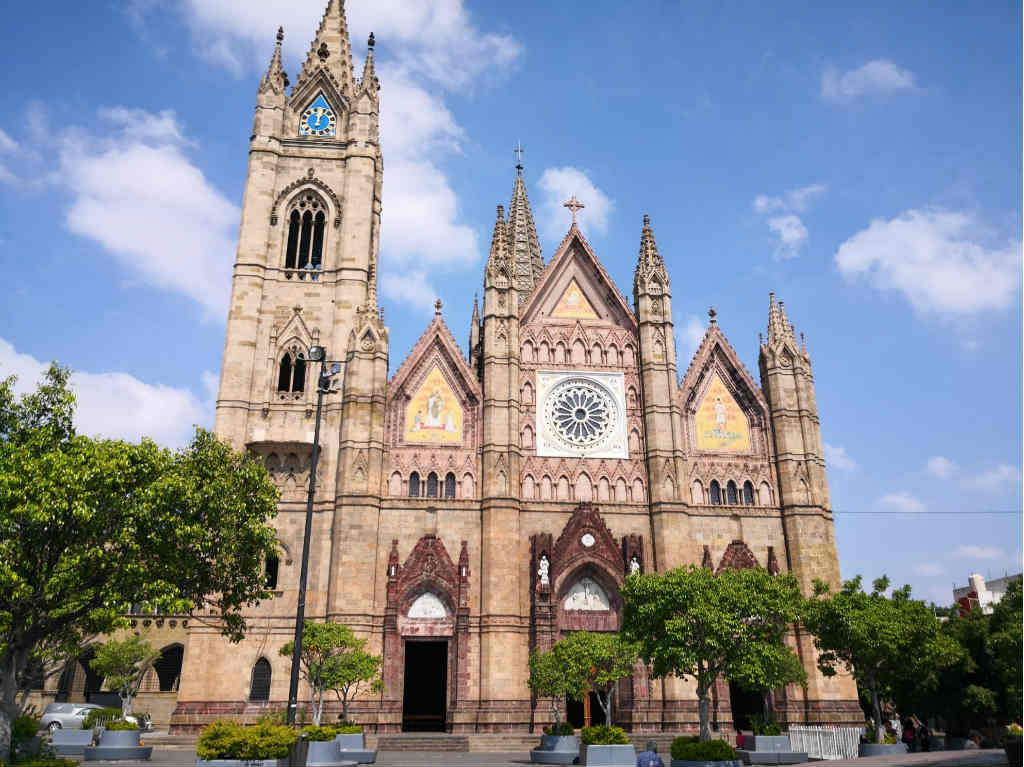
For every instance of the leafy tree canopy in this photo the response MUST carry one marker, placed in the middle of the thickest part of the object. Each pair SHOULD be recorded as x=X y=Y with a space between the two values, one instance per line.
x=592 y=661
x=549 y=679
x=89 y=526
x=122 y=664
x=881 y=639
x=693 y=623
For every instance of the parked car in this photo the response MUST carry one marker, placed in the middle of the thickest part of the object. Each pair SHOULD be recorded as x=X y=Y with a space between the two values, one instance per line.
x=66 y=715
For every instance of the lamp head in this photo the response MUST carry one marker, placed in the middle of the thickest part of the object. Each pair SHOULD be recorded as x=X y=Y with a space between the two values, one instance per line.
x=317 y=353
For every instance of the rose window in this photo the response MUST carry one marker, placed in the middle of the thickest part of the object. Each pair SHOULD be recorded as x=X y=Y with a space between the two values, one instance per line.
x=580 y=413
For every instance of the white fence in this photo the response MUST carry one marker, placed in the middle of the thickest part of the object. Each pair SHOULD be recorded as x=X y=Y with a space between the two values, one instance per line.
x=826 y=742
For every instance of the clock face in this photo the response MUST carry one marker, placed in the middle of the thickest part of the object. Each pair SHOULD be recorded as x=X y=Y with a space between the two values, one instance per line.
x=318 y=119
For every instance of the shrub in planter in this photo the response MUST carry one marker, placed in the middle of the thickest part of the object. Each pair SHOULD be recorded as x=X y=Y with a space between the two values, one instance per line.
x=98 y=715
x=230 y=740
x=564 y=729
x=120 y=724
x=47 y=762
x=320 y=734
x=603 y=735
x=348 y=728
x=689 y=750
x=764 y=725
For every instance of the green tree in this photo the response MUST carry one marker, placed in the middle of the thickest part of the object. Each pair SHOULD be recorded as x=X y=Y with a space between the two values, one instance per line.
x=123 y=664
x=880 y=639
x=592 y=661
x=89 y=526
x=1006 y=644
x=334 y=658
x=777 y=666
x=693 y=623
x=548 y=679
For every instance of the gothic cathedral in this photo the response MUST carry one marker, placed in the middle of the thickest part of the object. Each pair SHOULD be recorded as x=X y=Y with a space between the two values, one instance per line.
x=480 y=504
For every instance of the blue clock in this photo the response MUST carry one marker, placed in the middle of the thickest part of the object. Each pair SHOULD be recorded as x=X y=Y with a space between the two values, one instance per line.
x=318 y=119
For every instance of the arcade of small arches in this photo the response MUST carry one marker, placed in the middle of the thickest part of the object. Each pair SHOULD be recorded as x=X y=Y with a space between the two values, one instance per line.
x=578 y=353
x=560 y=488
x=79 y=682
x=731 y=494
x=431 y=486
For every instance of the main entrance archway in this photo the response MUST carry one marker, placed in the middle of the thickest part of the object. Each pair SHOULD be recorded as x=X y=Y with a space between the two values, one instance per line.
x=425 y=689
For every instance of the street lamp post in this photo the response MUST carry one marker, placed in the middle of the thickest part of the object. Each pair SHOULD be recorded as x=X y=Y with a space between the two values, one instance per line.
x=316 y=354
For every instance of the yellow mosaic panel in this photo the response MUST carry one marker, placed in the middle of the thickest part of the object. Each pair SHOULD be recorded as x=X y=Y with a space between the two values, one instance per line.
x=574 y=305
x=721 y=425
x=434 y=414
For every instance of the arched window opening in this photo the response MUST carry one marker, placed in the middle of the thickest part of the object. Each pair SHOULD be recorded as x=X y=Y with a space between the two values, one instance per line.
x=270 y=571
x=697 y=492
x=395 y=484
x=468 y=486
x=168 y=667
x=316 y=257
x=414 y=485
x=716 y=492
x=449 y=485
x=284 y=374
x=730 y=493
x=748 y=493
x=294 y=224
x=259 y=689
x=304 y=238
x=432 y=485
x=299 y=374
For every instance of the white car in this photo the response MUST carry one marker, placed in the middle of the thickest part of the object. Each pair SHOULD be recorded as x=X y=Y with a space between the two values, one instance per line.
x=66 y=715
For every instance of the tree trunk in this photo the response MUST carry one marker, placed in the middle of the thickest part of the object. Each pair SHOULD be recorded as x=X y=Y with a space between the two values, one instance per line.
x=879 y=730
x=17 y=660
x=605 y=699
x=766 y=703
x=344 y=708
x=556 y=709
x=704 y=707
x=126 y=706
x=7 y=714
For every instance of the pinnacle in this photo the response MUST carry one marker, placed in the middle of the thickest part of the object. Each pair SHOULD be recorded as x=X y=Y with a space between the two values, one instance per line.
x=650 y=262
x=276 y=78
x=523 y=244
x=779 y=327
x=369 y=78
x=330 y=49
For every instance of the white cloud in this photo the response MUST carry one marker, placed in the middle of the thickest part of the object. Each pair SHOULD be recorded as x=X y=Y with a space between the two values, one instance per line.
x=937 y=259
x=409 y=289
x=118 y=405
x=994 y=479
x=903 y=502
x=7 y=144
x=136 y=193
x=941 y=467
x=692 y=334
x=928 y=568
x=878 y=76
x=979 y=552
x=557 y=185
x=837 y=458
x=786 y=225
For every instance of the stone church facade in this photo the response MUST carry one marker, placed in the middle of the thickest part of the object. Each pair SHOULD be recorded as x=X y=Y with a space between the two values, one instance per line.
x=479 y=504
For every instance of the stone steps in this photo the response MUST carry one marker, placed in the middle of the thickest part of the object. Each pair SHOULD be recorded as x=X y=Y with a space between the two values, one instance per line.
x=422 y=742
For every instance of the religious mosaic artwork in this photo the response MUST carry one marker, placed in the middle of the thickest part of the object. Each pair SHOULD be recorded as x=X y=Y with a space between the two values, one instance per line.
x=581 y=415
x=586 y=594
x=428 y=605
x=434 y=414
x=721 y=424
x=574 y=305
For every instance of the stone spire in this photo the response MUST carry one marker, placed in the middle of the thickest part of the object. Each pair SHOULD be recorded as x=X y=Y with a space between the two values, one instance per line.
x=523 y=244
x=779 y=327
x=369 y=78
x=649 y=264
x=276 y=79
x=474 y=326
x=331 y=50
x=499 y=264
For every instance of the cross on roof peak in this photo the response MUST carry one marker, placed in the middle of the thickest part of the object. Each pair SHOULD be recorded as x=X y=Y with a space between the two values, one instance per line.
x=574 y=205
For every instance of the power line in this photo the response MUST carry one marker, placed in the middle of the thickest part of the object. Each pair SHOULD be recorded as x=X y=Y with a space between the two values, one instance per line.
x=929 y=511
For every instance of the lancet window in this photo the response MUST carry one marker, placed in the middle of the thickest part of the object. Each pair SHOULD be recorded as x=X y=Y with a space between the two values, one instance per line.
x=730 y=493
x=259 y=689
x=432 y=485
x=291 y=372
x=716 y=492
x=414 y=485
x=449 y=485
x=748 y=493
x=305 y=246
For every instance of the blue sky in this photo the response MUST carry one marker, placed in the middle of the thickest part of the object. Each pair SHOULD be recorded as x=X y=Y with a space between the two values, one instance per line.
x=863 y=162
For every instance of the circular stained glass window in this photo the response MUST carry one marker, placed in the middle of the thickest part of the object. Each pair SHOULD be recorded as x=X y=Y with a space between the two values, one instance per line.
x=580 y=413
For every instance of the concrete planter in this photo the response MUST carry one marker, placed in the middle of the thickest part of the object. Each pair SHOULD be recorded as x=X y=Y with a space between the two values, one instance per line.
x=70 y=742
x=1012 y=746
x=881 y=749
x=690 y=763
x=322 y=753
x=608 y=756
x=242 y=762
x=119 y=738
x=117 y=745
x=767 y=743
x=556 y=749
x=352 y=746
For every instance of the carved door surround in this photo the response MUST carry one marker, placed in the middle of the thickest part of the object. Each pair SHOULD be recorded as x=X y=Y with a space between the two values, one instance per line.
x=428 y=571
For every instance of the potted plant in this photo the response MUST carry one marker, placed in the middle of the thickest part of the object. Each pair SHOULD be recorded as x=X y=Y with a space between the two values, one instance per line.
x=605 y=745
x=692 y=752
x=548 y=679
x=229 y=744
x=1012 y=744
x=118 y=739
x=887 y=746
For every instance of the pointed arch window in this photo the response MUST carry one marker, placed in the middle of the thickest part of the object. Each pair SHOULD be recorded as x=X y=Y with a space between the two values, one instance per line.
x=306 y=230
x=730 y=493
x=432 y=485
x=414 y=485
x=259 y=688
x=270 y=571
x=291 y=372
x=449 y=485
x=716 y=492
x=748 y=493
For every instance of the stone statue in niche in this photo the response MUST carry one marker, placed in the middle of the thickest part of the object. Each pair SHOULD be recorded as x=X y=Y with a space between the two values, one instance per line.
x=634 y=565
x=428 y=605
x=586 y=594
x=542 y=570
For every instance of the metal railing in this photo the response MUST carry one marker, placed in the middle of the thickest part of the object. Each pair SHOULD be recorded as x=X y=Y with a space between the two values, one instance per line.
x=826 y=742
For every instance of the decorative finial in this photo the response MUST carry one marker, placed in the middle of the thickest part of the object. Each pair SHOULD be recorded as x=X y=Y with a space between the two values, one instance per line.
x=647 y=220
x=322 y=52
x=518 y=152
x=712 y=314
x=760 y=338
x=437 y=308
x=574 y=205
x=280 y=35
x=501 y=212
x=370 y=43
